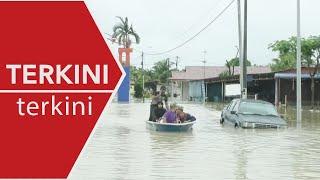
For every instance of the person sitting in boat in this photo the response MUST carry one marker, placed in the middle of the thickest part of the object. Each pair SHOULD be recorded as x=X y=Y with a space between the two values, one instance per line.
x=158 y=97
x=170 y=116
x=183 y=117
x=159 y=111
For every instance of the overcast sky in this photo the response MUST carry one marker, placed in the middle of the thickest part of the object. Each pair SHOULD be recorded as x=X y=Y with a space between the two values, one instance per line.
x=164 y=24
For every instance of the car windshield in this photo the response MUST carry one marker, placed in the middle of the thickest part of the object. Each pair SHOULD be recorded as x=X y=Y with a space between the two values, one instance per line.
x=257 y=108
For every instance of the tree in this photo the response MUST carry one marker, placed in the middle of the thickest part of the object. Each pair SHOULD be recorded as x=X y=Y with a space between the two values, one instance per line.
x=230 y=65
x=138 y=90
x=122 y=33
x=287 y=54
x=162 y=71
x=135 y=74
x=310 y=56
x=234 y=62
x=159 y=73
x=224 y=75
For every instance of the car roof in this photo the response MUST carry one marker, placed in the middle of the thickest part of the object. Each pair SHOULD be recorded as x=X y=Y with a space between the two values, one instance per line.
x=253 y=101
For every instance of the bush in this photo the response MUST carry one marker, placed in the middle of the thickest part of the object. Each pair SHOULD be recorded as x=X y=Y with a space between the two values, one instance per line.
x=138 y=90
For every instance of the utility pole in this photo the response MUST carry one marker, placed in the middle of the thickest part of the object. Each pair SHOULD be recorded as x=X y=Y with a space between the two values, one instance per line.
x=204 y=76
x=244 y=59
x=168 y=82
x=240 y=48
x=177 y=60
x=298 y=66
x=142 y=63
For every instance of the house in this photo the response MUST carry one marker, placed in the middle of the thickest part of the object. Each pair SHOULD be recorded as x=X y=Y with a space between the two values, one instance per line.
x=285 y=85
x=196 y=81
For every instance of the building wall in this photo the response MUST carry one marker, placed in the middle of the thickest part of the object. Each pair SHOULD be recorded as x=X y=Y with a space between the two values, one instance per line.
x=185 y=91
x=265 y=89
x=196 y=90
x=214 y=92
x=288 y=87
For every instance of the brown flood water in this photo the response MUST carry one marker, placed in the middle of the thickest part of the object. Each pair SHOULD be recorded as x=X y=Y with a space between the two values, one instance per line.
x=122 y=148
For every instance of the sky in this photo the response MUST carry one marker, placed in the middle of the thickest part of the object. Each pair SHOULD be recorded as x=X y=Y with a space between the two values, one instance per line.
x=164 y=24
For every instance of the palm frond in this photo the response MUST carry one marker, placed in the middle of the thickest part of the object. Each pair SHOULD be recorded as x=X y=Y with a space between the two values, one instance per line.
x=120 y=38
x=121 y=32
x=126 y=25
x=136 y=36
x=126 y=20
x=117 y=33
x=117 y=26
x=121 y=19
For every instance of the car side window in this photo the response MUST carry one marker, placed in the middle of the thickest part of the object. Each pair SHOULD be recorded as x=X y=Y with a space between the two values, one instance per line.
x=230 y=105
x=233 y=105
x=236 y=106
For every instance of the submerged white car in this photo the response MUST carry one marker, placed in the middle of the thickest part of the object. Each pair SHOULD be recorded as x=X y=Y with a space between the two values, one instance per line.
x=248 y=113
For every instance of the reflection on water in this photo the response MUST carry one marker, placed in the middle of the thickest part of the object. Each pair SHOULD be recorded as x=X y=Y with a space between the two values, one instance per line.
x=122 y=148
x=311 y=119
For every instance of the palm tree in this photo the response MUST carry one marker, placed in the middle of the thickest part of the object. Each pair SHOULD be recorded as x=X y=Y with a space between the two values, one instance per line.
x=122 y=32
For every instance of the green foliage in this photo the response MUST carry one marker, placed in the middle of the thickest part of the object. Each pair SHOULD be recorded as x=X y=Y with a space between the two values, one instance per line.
x=138 y=91
x=162 y=71
x=310 y=52
x=159 y=74
x=287 y=54
x=224 y=74
x=231 y=64
x=122 y=33
x=135 y=74
x=310 y=56
x=235 y=62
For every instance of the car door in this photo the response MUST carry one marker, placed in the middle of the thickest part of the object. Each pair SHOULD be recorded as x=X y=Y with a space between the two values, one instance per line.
x=228 y=114
x=234 y=117
x=224 y=111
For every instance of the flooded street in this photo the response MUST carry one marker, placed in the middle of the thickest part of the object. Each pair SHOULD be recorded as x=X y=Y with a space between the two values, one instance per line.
x=122 y=148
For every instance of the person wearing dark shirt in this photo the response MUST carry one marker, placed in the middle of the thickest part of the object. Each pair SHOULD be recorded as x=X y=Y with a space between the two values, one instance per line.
x=159 y=111
x=158 y=97
x=154 y=103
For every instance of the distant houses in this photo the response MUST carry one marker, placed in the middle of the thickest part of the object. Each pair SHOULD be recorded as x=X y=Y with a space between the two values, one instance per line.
x=197 y=82
x=285 y=85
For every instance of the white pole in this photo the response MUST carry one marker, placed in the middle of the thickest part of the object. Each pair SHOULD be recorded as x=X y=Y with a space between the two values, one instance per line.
x=142 y=65
x=240 y=46
x=298 y=65
x=244 y=52
x=204 y=76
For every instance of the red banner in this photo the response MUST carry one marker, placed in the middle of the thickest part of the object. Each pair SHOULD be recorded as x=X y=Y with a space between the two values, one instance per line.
x=57 y=75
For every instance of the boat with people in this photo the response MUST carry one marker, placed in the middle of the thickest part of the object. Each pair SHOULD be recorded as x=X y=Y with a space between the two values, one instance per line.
x=166 y=118
x=170 y=127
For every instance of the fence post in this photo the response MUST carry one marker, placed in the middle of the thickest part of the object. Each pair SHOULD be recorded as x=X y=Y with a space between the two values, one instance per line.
x=285 y=101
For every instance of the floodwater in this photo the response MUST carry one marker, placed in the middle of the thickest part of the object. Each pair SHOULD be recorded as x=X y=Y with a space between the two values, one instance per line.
x=122 y=148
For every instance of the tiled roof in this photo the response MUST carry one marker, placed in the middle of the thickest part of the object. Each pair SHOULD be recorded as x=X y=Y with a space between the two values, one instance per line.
x=198 y=72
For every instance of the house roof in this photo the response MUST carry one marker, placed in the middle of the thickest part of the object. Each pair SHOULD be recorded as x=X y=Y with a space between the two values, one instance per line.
x=294 y=75
x=199 y=72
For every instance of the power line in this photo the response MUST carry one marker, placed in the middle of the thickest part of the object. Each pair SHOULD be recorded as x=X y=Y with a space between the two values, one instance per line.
x=195 y=35
x=182 y=44
x=200 y=18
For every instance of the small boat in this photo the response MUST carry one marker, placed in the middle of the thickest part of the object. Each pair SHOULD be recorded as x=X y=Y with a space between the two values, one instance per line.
x=170 y=127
